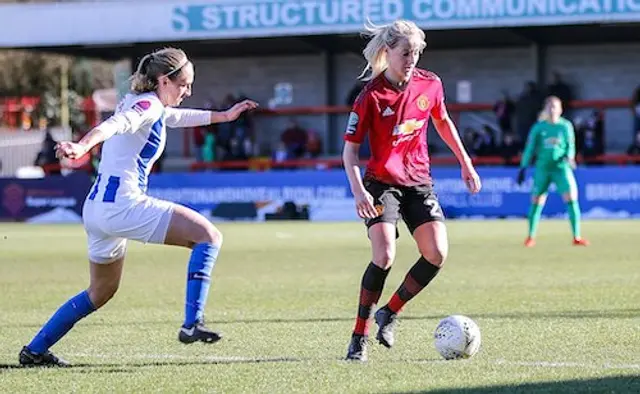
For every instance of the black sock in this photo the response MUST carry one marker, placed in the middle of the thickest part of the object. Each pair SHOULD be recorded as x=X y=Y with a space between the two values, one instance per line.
x=370 y=291
x=417 y=279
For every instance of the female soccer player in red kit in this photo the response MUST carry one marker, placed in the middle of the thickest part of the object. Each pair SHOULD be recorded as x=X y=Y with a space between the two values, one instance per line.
x=394 y=109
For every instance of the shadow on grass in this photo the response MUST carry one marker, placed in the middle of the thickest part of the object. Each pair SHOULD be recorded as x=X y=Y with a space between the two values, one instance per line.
x=612 y=384
x=625 y=313
x=129 y=367
x=587 y=314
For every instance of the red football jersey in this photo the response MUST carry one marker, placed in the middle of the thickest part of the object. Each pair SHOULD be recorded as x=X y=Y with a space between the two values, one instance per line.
x=396 y=121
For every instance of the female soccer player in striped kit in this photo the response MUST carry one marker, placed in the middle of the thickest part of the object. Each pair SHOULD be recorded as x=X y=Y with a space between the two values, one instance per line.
x=394 y=109
x=552 y=140
x=117 y=208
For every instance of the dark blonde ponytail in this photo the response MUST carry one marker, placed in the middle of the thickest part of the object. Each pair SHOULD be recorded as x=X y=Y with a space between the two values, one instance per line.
x=165 y=62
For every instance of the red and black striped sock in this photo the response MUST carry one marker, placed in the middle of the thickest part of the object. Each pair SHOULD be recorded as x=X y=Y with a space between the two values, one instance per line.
x=370 y=290
x=417 y=279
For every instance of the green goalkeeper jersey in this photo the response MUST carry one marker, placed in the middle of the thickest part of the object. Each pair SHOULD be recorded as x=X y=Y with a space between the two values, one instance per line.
x=552 y=143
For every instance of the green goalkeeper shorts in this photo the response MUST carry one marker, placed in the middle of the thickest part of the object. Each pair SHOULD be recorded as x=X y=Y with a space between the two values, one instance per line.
x=562 y=177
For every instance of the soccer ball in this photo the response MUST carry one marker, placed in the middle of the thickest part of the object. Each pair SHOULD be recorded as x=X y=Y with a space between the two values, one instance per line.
x=457 y=337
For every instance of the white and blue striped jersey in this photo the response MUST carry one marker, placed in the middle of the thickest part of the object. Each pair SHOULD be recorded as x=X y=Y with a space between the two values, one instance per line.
x=139 y=125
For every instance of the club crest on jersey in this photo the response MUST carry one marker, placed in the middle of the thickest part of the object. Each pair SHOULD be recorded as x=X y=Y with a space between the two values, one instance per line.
x=142 y=106
x=352 y=123
x=423 y=102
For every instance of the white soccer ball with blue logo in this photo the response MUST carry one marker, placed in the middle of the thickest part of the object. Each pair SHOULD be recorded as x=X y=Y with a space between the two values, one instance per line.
x=456 y=337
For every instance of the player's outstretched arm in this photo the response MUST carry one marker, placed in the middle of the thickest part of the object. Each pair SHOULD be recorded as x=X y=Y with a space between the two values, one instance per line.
x=449 y=134
x=75 y=150
x=234 y=112
x=187 y=117
x=128 y=121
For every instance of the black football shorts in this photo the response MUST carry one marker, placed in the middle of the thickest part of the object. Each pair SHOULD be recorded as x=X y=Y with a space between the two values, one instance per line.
x=416 y=205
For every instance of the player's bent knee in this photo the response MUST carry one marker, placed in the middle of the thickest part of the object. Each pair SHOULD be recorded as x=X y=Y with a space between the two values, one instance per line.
x=210 y=235
x=189 y=228
x=384 y=259
x=385 y=263
x=436 y=257
x=100 y=294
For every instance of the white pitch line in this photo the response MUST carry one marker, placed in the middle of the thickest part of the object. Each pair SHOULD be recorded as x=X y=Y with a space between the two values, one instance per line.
x=541 y=364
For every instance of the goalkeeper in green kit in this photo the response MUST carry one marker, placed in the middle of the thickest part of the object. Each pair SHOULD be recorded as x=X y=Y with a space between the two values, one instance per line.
x=552 y=140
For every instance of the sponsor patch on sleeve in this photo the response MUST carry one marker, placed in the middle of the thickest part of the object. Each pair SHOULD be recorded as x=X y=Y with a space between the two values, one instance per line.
x=352 y=123
x=141 y=106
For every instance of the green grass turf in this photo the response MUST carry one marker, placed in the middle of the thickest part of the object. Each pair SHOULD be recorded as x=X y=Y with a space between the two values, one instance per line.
x=555 y=318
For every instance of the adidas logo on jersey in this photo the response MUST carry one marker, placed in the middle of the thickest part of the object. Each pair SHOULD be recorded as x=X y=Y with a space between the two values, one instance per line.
x=388 y=112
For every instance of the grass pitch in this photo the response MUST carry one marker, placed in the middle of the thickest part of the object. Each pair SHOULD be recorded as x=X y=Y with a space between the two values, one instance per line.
x=555 y=318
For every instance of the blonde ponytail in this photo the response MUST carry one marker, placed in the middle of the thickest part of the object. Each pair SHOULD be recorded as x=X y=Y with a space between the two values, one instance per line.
x=374 y=52
x=386 y=36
